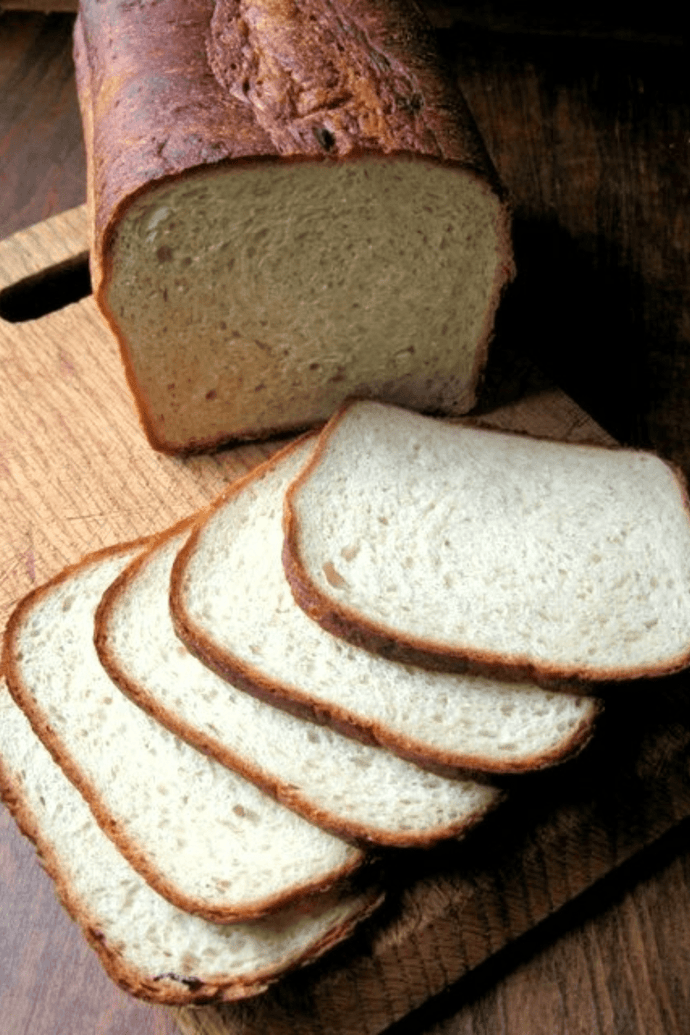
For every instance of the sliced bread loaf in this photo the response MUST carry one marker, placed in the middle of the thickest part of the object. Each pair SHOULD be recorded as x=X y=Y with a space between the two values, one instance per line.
x=232 y=605
x=454 y=545
x=148 y=946
x=303 y=195
x=202 y=836
x=356 y=790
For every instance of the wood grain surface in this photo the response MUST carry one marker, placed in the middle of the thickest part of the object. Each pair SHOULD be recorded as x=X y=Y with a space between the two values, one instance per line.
x=591 y=136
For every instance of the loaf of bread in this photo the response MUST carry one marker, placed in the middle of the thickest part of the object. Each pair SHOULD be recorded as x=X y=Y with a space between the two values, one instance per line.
x=149 y=947
x=473 y=549
x=290 y=203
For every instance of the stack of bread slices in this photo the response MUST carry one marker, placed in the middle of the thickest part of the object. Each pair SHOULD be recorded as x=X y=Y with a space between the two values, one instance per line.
x=213 y=734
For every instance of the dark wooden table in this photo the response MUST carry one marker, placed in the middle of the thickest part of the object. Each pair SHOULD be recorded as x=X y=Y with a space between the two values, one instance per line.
x=589 y=126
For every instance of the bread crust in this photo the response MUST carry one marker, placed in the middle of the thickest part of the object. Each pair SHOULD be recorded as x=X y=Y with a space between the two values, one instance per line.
x=136 y=854
x=345 y=622
x=168 y=94
x=163 y=989
x=302 y=704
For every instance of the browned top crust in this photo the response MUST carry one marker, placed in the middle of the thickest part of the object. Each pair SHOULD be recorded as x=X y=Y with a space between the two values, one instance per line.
x=171 y=86
x=340 y=75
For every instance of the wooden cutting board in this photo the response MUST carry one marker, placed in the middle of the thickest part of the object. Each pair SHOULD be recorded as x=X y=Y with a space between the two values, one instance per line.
x=78 y=474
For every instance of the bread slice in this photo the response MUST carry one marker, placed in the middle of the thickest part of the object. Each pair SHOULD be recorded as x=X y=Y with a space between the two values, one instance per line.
x=303 y=194
x=148 y=946
x=451 y=545
x=202 y=836
x=356 y=790
x=232 y=605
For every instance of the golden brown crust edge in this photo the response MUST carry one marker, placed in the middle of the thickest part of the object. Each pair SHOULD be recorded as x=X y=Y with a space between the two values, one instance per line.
x=348 y=624
x=135 y=854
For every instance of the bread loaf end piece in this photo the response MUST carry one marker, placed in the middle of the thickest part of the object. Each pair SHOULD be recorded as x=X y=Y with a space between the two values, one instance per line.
x=290 y=204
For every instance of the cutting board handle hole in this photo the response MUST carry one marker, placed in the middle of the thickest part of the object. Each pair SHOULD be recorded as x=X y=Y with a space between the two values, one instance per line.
x=45 y=292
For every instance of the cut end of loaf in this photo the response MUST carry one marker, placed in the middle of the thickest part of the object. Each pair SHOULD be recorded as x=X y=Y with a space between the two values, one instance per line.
x=252 y=299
